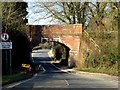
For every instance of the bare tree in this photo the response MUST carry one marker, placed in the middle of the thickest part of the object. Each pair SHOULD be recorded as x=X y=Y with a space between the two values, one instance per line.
x=78 y=12
x=13 y=15
x=65 y=12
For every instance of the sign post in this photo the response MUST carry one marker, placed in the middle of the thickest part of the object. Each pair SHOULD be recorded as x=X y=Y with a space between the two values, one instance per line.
x=10 y=62
x=6 y=59
x=6 y=45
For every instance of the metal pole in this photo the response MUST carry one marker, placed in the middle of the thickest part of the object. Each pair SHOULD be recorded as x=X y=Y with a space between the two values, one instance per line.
x=10 y=62
x=6 y=61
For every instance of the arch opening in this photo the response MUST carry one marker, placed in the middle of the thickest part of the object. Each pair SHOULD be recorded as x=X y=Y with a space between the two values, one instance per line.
x=61 y=52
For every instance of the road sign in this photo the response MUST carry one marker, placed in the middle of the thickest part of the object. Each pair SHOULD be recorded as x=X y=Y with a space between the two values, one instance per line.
x=5 y=45
x=5 y=36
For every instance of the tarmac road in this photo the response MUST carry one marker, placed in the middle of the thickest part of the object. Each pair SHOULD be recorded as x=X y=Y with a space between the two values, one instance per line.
x=53 y=78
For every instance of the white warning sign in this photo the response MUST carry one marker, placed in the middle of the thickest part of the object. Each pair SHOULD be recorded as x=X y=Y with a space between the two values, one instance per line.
x=5 y=45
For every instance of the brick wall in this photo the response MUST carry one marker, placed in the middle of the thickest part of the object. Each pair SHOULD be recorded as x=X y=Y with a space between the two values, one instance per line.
x=68 y=35
x=62 y=30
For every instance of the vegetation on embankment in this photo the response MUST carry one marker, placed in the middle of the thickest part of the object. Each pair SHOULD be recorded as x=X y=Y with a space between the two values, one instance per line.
x=101 y=54
x=7 y=79
x=99 y=46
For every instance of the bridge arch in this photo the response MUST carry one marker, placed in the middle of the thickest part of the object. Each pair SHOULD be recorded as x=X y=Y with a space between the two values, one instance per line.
x=66 y=50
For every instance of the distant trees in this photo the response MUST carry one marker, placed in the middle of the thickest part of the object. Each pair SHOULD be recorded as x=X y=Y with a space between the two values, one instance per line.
x=13 y=22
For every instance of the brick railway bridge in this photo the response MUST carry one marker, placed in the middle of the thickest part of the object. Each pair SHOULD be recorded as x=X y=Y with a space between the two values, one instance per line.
x=66 y=35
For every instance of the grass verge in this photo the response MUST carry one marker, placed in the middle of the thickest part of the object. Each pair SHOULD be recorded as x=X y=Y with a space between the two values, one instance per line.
x=15 y=77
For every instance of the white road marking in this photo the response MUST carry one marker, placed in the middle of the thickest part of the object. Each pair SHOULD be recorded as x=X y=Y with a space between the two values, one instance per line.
x=43 y=69
x=56 y=67
x=62 y=71
x=66 y=82
x=18 y=83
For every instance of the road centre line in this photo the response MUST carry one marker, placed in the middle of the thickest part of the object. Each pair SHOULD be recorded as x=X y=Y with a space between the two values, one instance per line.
x=62 y=71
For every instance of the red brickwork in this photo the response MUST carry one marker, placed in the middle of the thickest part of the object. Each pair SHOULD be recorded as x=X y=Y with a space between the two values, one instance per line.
x=68 y=35
x=62 y=30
